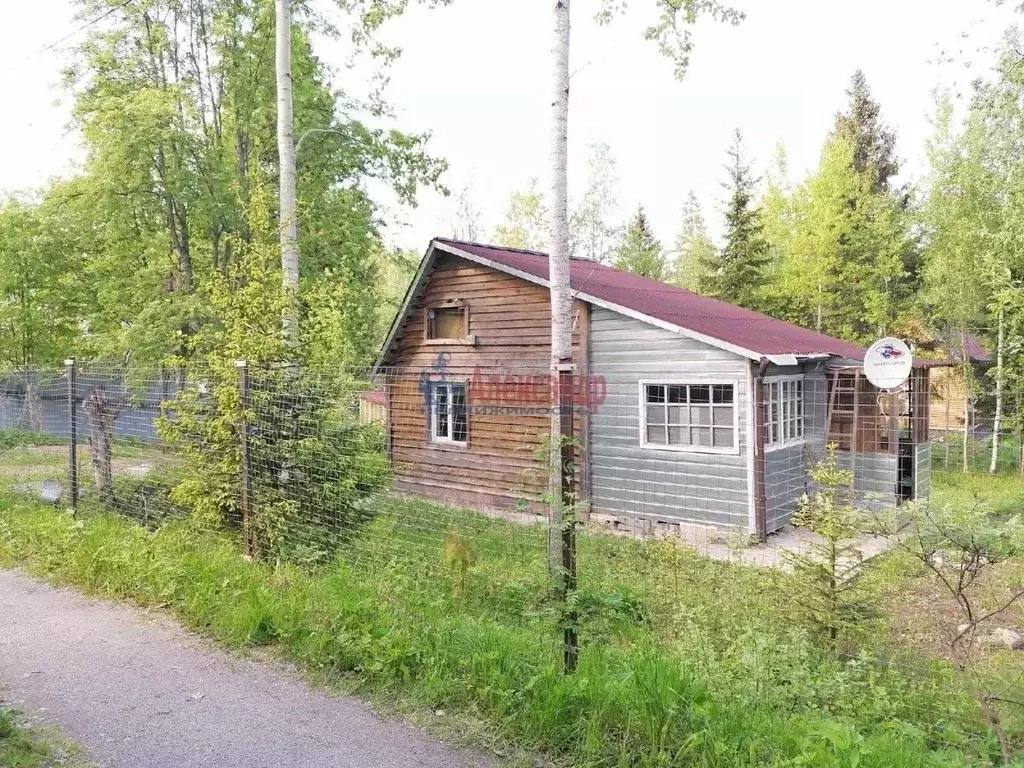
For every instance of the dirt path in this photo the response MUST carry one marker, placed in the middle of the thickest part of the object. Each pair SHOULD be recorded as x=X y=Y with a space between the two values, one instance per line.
x=137 y=691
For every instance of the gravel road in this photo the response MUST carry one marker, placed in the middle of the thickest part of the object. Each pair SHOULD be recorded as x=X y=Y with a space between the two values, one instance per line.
x=137 y=691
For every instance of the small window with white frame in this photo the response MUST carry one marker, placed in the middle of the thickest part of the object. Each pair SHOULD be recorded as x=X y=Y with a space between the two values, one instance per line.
x=449 y=421
x=783 y=411
x=689 y=417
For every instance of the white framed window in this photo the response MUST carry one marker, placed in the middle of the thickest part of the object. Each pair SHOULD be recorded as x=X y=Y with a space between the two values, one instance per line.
x=449 y=422
x=783 y=411
x=698 y=417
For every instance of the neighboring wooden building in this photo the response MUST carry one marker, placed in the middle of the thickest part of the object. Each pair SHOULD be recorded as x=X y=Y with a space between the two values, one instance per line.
x=373 y=406
x=954 y=398
x=694 y=410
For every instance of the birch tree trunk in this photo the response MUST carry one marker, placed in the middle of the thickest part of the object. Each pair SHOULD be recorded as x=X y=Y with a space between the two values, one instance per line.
x=997 y=423
x=286 y=159
x=558 y=261
x=968 y=396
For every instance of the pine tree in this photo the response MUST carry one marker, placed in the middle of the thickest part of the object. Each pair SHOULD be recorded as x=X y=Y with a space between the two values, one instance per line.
x=694 y=248
x=874 y=143
x=736 y=275
x=640 y=251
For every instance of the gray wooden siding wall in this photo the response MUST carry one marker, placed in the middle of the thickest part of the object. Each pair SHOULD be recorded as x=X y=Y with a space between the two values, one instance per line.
x=874 y=477
x=630 y=481
x=922 y=470
x=787 y=469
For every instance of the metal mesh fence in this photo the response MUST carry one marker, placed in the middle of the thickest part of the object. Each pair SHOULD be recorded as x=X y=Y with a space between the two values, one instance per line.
x=702 y=508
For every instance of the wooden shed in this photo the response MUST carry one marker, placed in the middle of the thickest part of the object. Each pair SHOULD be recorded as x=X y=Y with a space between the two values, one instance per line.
x=689 y=409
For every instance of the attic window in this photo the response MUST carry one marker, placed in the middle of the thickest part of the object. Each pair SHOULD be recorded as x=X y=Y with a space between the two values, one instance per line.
x=448 y=322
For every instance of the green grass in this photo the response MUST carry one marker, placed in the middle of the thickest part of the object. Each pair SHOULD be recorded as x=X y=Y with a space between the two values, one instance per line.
x=35 y=746
x=948 y=454
x=1003 y=493
x=25 y=438
x=17 y=748
x=686 y=661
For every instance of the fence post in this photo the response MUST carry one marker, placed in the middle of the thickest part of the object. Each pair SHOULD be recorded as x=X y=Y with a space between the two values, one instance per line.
x=567 y=453
x=246 y=484
x=72 y=370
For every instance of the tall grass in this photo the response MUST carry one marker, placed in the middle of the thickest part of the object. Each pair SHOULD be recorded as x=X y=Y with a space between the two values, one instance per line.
x=685 y=661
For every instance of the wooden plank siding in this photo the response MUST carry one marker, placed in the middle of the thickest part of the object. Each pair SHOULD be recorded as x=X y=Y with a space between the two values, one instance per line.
x=507 y=370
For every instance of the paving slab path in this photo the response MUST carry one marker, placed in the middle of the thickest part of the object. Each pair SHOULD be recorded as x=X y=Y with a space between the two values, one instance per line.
x=137 y=691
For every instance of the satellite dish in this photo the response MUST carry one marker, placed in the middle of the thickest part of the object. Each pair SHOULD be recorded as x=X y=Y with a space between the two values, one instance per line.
x=887 y=363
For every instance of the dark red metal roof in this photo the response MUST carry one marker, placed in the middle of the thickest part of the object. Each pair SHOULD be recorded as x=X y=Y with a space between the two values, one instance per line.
x=975 y=350
x=378 y=396
x=719 y=320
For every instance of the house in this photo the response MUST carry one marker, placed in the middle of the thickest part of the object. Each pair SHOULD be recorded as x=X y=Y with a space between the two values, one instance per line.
x=954 y=399
x=373 y=407
x=689 y=410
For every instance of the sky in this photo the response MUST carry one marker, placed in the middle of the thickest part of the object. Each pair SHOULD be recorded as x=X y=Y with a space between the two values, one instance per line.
x=476 y=75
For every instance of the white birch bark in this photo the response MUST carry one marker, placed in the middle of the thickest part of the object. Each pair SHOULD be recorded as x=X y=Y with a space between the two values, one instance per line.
x=558 y=261
x=968 y=396
x=561 y=302
x=286 y=159
x=997 y=423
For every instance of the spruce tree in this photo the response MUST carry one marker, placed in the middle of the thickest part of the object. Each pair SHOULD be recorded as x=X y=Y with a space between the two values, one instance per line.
x=736 y=274
x=640 y=251
x=874 y=143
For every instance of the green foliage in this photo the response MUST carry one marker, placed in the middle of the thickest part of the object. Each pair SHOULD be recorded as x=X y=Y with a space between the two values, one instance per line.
x=593 y=232
x=382 y=611
x=736 y=274
x=17 y=748
x=312 y=461
x=829 y=596
x=40 y=294
x=175 y=104
x=23 y=438
x=694 y=249
x=874 y=144
x=459 y=556
x=526 y=221
x=639 y=251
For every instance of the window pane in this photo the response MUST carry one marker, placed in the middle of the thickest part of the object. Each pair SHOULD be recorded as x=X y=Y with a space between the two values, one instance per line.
x=722 y=393
x=677 y=414
x=701 y=436
x=700 y=394
x=655 y=414
x=441 y=410
x=459 y=420
x=677 y=394
x=723 y=438
x=723 y=416
x=700 y=414
x=655 y=393
x=678 y=436
x=656 y=434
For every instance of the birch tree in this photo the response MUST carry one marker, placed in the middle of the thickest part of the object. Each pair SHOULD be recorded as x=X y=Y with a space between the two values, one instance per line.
x=286 y=173
x=672 y=33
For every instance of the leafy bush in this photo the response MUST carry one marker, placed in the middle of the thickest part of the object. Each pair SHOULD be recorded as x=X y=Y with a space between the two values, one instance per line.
x=313 y=463
x=147 y=498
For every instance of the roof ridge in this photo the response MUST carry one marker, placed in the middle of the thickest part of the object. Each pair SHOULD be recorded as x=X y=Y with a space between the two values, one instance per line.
x=531 y=252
